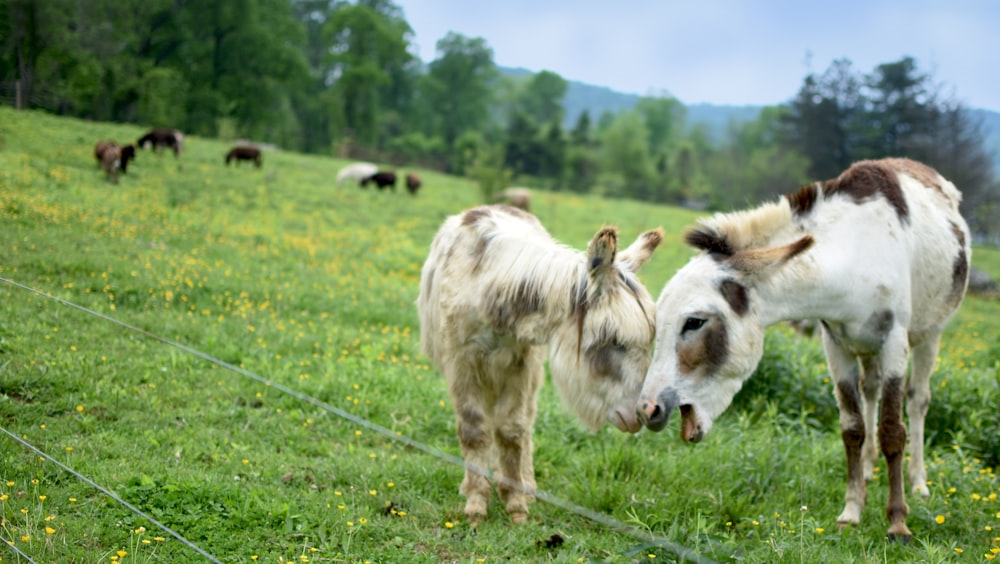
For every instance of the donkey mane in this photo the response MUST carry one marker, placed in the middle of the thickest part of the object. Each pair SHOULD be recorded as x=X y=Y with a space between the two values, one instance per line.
x=726 y=234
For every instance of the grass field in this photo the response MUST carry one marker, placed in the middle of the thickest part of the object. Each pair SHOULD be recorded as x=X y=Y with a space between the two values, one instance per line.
x=281 y=274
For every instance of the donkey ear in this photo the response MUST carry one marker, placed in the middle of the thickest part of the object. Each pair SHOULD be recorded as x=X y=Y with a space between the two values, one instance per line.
x=760 y=262
x=602 y=248
x=639 y=252
x=708 y=239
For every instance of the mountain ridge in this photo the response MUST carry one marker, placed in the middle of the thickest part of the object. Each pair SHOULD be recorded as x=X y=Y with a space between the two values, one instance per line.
x=716 y=118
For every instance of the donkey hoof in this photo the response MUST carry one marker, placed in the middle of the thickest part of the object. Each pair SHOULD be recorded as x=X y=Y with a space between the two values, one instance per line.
x=899 y=532
x=901 y=538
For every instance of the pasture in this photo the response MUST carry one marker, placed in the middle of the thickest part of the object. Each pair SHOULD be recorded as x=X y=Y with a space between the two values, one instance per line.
x=281 y=273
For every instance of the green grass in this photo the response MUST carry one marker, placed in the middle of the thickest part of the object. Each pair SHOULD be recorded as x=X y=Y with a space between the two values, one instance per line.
x=312 y=286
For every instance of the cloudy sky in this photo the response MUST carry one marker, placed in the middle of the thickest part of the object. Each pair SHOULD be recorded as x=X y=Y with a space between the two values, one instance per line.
x=725 y=51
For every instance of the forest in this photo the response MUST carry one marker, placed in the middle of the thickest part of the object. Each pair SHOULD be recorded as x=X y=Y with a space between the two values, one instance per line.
x=341 y=78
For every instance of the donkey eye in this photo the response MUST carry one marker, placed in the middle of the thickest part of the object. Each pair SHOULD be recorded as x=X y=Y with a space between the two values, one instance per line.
x=692 y=324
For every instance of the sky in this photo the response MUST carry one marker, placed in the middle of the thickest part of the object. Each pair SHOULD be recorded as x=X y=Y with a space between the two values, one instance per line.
x=730 y=52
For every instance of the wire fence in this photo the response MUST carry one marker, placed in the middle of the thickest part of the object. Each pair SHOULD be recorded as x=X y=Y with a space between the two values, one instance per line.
x=647 y=539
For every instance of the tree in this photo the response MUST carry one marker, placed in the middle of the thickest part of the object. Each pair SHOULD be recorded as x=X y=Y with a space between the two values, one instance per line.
x=553 y=151
x=625 y=161
x=754 y=166
x=522 y=153
x=893 y=112
x=664 y=119
x=368 y=58
x=30 y=30
x=580 y=135
x=957 y=149
x=901 y=112
x=541 y=97
x=459 y=83
x=825 y=120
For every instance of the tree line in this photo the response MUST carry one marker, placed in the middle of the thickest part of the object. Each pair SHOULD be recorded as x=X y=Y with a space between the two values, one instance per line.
x=342 y=78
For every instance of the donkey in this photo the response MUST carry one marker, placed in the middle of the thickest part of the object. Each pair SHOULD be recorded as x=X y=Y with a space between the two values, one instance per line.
x=880 y=255
x=495 y=290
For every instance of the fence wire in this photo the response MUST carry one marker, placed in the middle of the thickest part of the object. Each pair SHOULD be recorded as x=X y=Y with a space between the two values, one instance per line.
x=648 y=540
x=110 y=494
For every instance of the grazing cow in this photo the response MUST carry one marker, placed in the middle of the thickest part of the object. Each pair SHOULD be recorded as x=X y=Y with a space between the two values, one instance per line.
x=382 y=179
x=517 y=197
x=356 y=172
x=162 y=137
x=880 y=255
x=112 y=158
x=412 y=183
x=495 y=291
x=243 y=153
x=100 y=148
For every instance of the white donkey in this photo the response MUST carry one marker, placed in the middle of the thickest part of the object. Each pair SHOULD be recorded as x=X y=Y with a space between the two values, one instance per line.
x=880 y=255
x=496 y=289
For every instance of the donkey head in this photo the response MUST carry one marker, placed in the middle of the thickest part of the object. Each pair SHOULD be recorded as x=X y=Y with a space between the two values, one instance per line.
x=708 y=336
x=599 y=357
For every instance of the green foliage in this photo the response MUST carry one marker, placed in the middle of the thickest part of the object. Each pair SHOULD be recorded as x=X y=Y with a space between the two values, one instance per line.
x=487 y=169
x=459 y=84
x=541 y=97
x=161 y=97
x=625 y=162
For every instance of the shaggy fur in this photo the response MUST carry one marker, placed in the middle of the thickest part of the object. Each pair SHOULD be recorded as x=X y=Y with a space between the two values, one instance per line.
x=495 y=291
x=880 y=255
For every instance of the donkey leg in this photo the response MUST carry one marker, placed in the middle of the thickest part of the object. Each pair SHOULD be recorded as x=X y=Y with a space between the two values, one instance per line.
x=537 y=376
x=474 y=435
x=892 y=432
x=871 y=387
x=846 y=374
x=918 y=400
x=515 y=418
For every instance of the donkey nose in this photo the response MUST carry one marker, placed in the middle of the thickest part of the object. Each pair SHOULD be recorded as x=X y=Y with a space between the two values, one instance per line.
x=653 y=415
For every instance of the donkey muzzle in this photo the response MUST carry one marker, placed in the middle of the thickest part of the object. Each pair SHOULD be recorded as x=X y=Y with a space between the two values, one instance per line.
x=655 y=413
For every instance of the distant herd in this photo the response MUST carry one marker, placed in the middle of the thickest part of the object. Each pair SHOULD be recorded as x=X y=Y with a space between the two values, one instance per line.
x=114 y=157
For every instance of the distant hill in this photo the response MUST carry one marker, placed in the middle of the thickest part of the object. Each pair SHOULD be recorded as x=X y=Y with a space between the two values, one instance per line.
x=599 y=99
